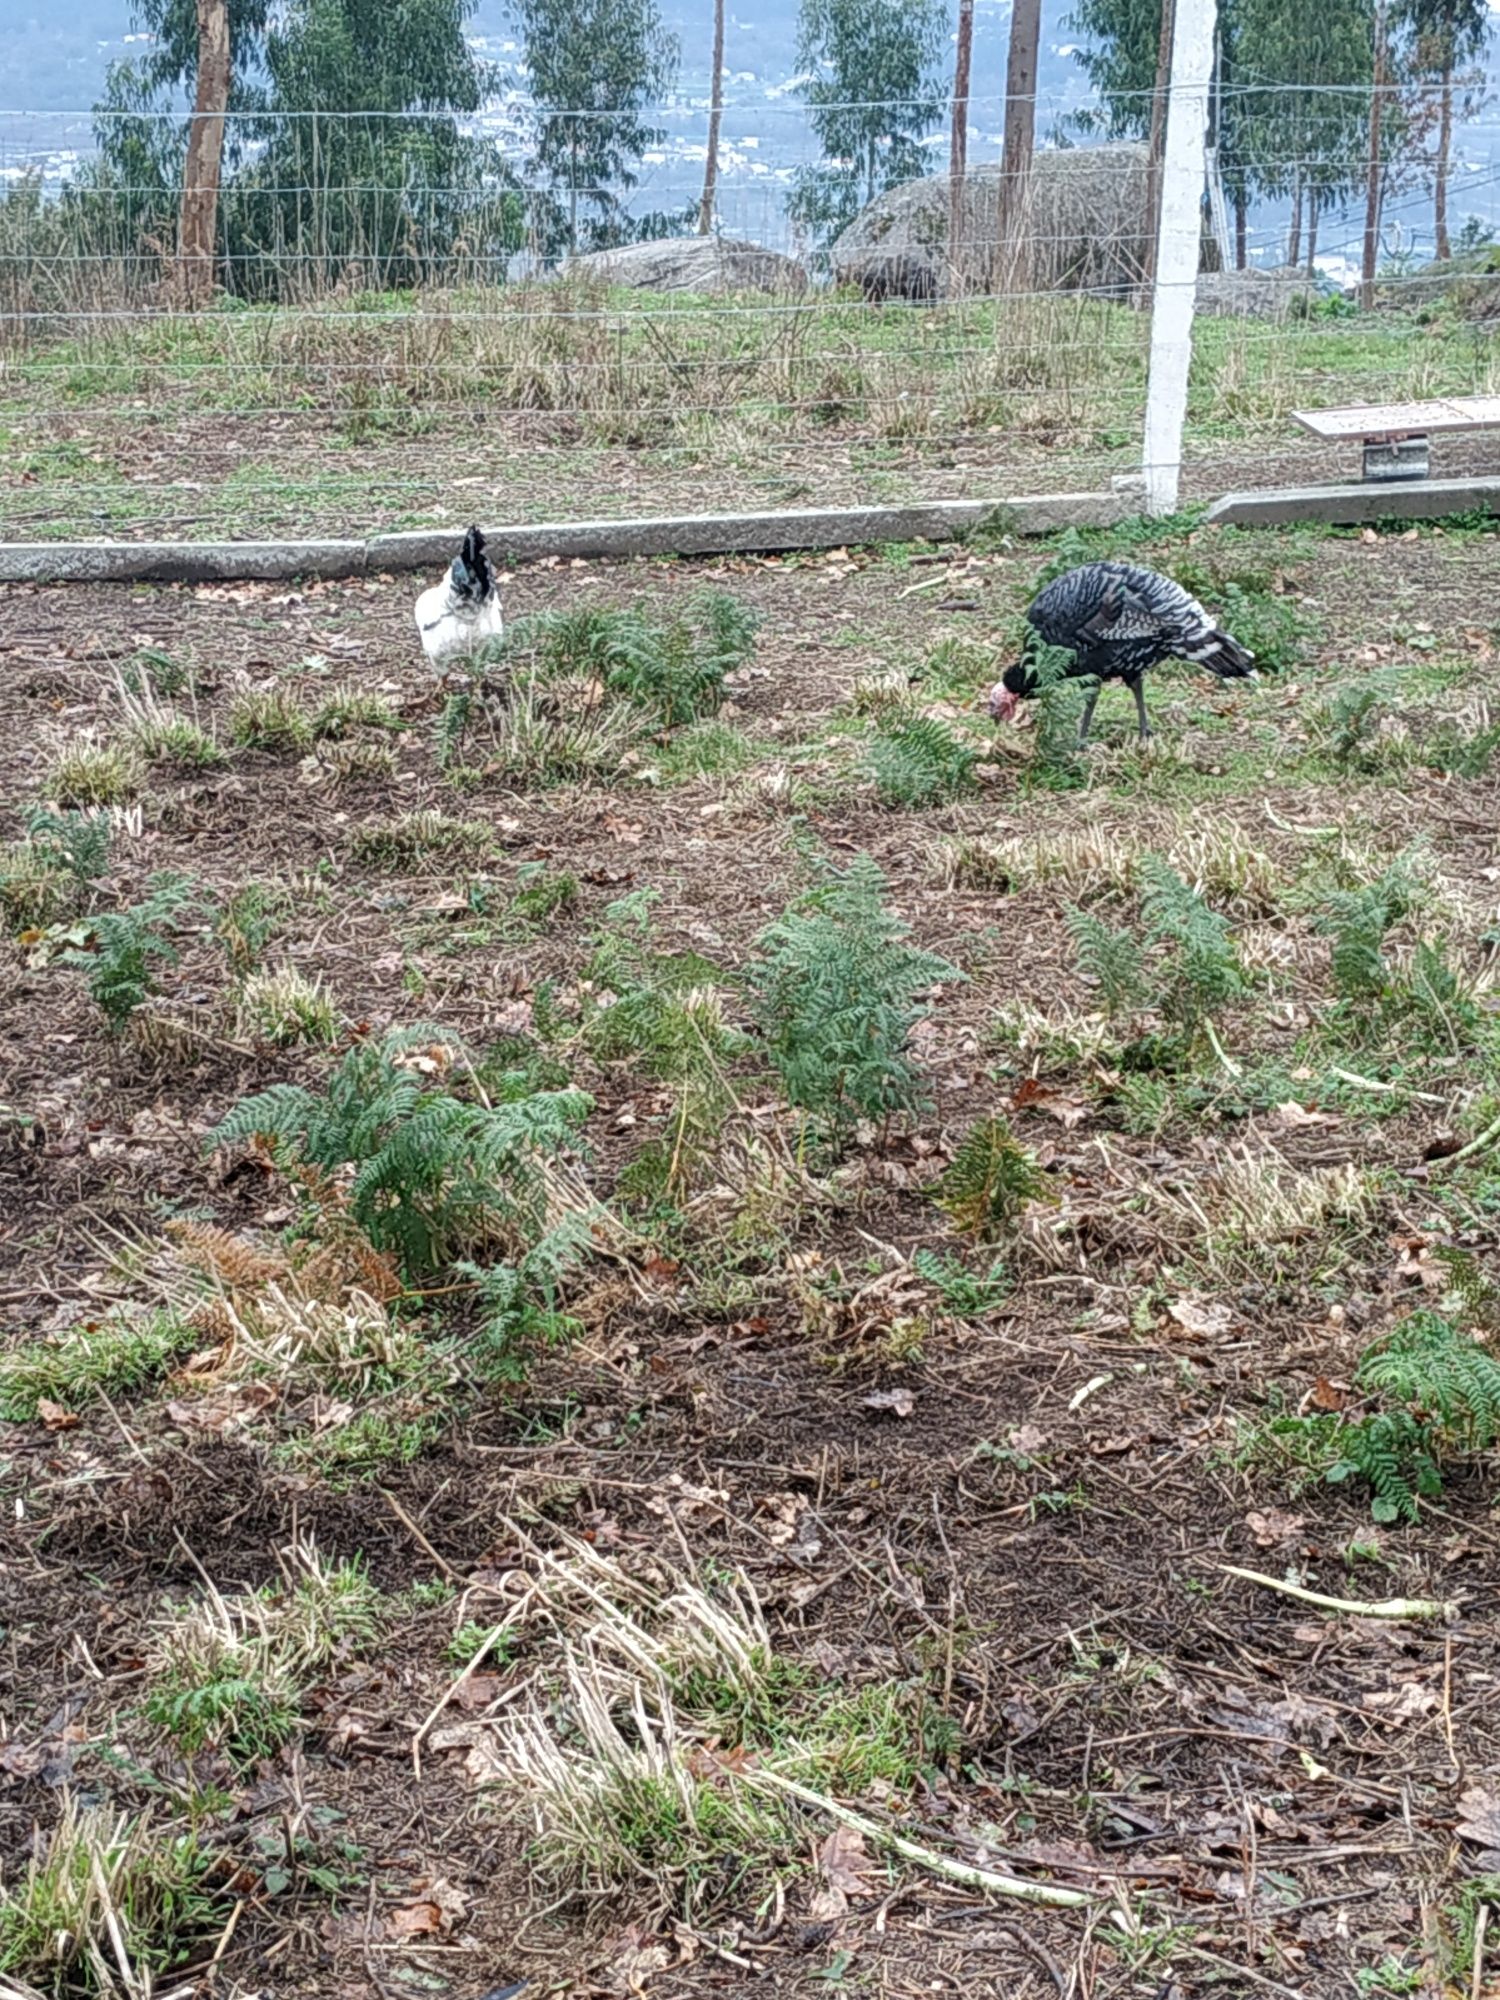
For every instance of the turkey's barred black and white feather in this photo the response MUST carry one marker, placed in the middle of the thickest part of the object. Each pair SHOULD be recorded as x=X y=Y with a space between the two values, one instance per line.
x=1117 y=619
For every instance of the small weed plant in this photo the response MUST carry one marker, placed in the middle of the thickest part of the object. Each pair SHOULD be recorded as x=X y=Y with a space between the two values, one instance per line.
x=989 y=1180
x=672 y=669
x=919 y=761
x=116 y=1355
x=129 y=944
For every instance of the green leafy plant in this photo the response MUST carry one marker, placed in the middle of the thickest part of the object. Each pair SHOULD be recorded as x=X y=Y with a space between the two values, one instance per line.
x=835 y=994
x=1203 y=969
x=76 y=843
x=433 y=1173
x=1345 y=729
x=969 y=1294
x=990 y=1179
x=1356 y=920
x=247 y=924
x=128 y=943
x=673 y=669
x=918 y=761
x=1109 y=959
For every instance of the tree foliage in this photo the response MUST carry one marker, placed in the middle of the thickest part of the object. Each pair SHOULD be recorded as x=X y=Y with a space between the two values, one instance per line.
x=596 y=66
x=873 y=92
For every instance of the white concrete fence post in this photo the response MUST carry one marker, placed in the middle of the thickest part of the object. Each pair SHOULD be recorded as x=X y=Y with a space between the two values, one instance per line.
x=1178 y=237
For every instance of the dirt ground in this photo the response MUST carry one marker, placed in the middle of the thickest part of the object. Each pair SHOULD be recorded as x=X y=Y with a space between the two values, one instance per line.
x=1026 y=1515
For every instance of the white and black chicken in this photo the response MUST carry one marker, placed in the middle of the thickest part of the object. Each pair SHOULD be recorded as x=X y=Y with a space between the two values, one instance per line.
x=1117 y=619
x=460 y=615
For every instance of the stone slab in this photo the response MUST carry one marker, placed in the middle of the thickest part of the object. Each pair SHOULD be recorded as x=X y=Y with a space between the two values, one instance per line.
x=1351 y=506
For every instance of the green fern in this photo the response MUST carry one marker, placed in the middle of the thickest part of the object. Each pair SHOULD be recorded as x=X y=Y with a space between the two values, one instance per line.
x=1357 y=921
x=835 y=996
x=1205 y=973
x=75 y=843
x=1394 y=1454
x=919 y=762
x=432 y=1174
x=1429 y=1364
x=674 y=669
x=128 y=944
x=990 y=1179
x=1110 y=959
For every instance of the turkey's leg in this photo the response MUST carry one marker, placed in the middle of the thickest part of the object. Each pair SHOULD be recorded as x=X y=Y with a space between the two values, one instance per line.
x=1085 y=721
x=1138 y=689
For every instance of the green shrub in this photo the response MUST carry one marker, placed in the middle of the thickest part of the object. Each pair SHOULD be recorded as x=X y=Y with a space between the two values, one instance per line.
x=674 y=669
x=1109 y=959
x=990 y=1179
x=128 y=943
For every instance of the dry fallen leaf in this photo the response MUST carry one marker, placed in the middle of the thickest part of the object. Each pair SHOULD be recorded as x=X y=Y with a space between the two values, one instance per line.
x=1270 y=1526
x=1201 y=1317
x=54 y=1416
x=1479 y=1817
x=1292 y=1115
x=900 y=1402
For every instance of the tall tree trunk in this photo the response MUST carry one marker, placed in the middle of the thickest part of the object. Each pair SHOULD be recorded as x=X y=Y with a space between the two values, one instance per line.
x=1015 y=267
x=1294 y=230
x=958 y=149
x=715 y=120
x=1157 y=142
x=1373 y=166
x=197 y=224
x=1241 y=228
x=1312 y=231
x=1440 y=166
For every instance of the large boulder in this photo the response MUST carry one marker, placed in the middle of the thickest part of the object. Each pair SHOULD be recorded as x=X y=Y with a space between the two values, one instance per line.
x=1085 y=227
x=1256 y=294
x=692 y=264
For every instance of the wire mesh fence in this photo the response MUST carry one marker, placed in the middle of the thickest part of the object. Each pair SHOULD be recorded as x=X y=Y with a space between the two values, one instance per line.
x=401 y=332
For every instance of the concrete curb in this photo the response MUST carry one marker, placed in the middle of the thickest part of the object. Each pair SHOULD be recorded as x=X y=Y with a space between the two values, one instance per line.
x=1352 y=506
x=431 y=548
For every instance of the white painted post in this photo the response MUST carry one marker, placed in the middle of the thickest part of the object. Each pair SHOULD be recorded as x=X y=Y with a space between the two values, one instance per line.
x=1178 y=236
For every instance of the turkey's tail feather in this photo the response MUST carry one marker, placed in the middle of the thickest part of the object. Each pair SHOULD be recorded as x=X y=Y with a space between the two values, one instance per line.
x=1221 y=654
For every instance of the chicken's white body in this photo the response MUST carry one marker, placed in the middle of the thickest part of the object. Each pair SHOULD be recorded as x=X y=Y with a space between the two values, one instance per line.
x=458 y=616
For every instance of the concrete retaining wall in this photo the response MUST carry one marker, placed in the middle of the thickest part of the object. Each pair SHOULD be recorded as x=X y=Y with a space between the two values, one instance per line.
x=432 y=548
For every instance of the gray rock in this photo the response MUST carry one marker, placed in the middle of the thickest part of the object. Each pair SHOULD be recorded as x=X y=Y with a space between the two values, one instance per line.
x=693 y=264
x=1085 y=227
x=1270 y=295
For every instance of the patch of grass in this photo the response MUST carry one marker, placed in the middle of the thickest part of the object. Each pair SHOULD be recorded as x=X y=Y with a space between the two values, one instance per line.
x=117 y=1354
x=93 y=772
x=33 y=893
x=286 y=1008
x=919 y=761
x=101 y=1886
x=176 y=740
x=354 y=708
x=271 y=719
x=417 y=840
x=704 y=750
x=228 y=1673
x=369 y=1445
x=673 y=669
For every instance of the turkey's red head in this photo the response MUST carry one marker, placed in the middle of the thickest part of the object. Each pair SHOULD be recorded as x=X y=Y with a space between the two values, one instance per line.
x=1003 y=702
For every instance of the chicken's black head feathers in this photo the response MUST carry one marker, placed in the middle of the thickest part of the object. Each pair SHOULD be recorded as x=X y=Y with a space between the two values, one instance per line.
x=471 y=573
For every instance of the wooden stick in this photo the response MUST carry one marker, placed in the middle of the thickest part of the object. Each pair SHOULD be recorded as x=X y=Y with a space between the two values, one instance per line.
x=923 y=1857
x=1390 y=1607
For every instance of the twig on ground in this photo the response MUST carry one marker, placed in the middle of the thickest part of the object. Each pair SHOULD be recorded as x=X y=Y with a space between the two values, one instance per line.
x=922 y=1857
x=1353 y=1607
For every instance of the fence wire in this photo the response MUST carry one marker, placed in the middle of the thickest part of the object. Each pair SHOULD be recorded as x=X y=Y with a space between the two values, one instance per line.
x=408 y=350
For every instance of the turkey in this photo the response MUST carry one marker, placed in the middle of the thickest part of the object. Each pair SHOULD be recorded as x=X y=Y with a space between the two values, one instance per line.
x=1117 y=619
x=462 y=613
